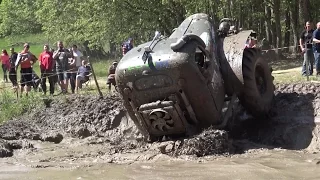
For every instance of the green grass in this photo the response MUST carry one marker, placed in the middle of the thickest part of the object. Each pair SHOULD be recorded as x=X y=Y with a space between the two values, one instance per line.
x=12 y=107
x=291 y=76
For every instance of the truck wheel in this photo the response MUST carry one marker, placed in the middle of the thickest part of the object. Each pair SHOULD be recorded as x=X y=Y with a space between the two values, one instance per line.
x=258 y=91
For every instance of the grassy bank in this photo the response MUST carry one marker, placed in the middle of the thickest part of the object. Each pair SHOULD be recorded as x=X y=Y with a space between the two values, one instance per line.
x=9 y=105
x=12 y=107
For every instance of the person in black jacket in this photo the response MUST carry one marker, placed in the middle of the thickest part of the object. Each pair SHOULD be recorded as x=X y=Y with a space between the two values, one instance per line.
x=306 y=48
x=12 y=71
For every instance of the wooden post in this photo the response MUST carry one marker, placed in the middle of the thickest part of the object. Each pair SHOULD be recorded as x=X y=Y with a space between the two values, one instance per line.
x=95 y=78
x=307 y=60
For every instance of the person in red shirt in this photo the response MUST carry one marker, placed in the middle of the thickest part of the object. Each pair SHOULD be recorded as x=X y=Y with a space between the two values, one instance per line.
x=26 y=59
x=4 y=58
x=46 y=67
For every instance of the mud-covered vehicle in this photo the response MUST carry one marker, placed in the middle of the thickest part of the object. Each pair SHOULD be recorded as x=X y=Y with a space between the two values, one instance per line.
x=178 y=85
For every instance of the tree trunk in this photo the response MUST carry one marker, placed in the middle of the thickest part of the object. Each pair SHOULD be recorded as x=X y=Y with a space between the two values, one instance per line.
x=267 y=12
x=294 y=13
x=276 y=11
x=286 y=43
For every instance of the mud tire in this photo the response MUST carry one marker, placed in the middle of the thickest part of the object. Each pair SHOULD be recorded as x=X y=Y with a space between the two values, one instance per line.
x=258 y=90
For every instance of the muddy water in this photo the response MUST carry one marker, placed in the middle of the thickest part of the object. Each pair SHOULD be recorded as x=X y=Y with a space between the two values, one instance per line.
x=98 y=141
x=265 y=164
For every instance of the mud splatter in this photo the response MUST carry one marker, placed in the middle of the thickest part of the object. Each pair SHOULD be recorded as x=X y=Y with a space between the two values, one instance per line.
x=103 y=126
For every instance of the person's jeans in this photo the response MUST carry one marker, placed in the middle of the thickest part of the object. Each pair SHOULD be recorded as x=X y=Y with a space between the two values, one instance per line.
x=13 y=76
x=44 y=75
x=317 y=60
x=72 y=76
x=5 y=70
x=308 y=54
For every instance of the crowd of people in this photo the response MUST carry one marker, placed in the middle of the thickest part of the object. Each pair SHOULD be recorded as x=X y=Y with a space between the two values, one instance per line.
x=310 y=47
x=61 y=67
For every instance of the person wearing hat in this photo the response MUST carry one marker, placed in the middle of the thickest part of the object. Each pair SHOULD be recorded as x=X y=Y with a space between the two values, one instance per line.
x=251 y=42
x=111 y=80
x=26 y=59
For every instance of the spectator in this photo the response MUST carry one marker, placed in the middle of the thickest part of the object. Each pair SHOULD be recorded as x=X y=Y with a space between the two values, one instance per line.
x=55 y=77
x=46 y=68
x=82 y=75
x=12 y=71
x=316 y=40
x=127 y=46
x=5 y=59
x=306 y=38
x=35 y=81
x=75 y=64
x=111 y=76
x=26 y=59
x=251 y=42
x=61 y=56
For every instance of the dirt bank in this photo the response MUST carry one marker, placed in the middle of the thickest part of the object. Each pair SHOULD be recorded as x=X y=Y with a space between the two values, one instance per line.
x=83 y=128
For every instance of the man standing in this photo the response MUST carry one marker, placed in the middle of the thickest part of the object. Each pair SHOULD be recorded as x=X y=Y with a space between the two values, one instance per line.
x=12 y=71
x=316 y=40
x=306 y=38
x=111 y=80
x=26 y=59
x=46 y=68
x=61 y=56
x=76 y=63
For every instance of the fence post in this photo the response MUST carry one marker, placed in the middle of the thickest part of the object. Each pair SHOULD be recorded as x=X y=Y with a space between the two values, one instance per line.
x=95 y=78
x=307 y=60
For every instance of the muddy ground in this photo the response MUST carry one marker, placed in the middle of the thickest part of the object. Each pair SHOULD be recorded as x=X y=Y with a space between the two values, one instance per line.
x=72 y=131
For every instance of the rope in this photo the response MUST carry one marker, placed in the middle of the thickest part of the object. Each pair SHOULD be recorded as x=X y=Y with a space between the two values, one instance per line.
x=41 y=78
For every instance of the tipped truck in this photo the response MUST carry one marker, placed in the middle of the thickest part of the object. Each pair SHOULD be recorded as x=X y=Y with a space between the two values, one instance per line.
x=178 y=85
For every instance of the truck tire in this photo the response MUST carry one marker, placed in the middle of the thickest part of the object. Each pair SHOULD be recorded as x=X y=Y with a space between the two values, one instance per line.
x=258 y=89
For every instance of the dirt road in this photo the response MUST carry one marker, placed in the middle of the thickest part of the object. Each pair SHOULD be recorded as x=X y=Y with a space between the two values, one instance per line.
x=90 y=138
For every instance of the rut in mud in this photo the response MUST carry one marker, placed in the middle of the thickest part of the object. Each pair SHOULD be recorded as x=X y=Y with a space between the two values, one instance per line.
x=291 y=125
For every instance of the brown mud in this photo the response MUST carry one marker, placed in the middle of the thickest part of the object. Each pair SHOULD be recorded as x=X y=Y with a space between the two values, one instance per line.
x=83 y=132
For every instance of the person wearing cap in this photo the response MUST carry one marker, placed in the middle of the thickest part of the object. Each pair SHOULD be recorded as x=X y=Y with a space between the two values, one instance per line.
x=26 y=59
x=251 y=42
x=46 y=68
x=12 y=71
x=111 y=76
x=61 y=57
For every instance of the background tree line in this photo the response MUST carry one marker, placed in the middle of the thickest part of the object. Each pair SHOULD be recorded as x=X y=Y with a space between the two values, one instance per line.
x=97 y=24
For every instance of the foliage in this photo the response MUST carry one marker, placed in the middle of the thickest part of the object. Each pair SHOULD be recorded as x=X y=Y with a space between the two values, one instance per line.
x=103 y=24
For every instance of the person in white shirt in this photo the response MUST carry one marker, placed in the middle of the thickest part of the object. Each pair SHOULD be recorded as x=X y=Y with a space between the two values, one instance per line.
x=77 y=56
x=76 y=62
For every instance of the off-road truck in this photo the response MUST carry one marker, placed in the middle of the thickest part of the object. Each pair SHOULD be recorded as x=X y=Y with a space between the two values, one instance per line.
x=178 y=85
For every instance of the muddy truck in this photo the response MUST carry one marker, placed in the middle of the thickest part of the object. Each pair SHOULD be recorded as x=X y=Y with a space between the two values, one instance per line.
x=179 y=85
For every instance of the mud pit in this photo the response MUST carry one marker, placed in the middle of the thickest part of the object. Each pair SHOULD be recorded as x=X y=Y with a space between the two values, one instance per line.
x=90 y=133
